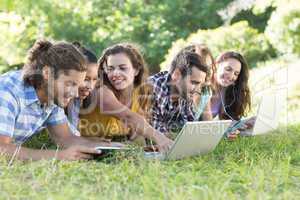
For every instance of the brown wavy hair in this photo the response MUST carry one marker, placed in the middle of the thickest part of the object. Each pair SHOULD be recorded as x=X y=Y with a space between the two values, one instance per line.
x=140 y=86
x=237 y=97
x=60 y=56
x=207 y=58
x=186 y=60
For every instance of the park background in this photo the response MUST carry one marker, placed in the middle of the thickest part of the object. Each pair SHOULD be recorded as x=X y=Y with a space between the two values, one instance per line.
x=266 y=32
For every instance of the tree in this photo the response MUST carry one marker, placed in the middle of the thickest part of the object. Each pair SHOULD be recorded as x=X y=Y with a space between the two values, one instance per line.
x=98 y=24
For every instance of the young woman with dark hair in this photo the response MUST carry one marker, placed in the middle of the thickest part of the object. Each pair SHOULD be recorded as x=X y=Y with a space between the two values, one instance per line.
x=83 y=99
x=231 y=95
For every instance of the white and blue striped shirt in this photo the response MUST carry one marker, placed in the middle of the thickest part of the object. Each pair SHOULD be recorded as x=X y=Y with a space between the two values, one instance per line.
x=21 y=112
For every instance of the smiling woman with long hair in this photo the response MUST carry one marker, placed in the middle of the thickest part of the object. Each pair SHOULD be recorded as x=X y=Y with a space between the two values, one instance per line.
x=121 y=106
x=231 y=97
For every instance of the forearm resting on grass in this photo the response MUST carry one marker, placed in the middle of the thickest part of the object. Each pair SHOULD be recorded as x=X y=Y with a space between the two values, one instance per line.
x=64 y=138
x=8 y=149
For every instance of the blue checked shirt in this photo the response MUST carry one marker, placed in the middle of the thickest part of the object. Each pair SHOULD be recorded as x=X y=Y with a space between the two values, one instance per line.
x=21 y=113
x=73 y=115
x=168 y=115
x=204 y=99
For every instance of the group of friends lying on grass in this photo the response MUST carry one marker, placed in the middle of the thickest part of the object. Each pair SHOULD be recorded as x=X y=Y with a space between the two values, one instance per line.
x=85 y=102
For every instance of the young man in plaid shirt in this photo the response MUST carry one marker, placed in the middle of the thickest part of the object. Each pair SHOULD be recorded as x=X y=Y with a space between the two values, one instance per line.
x=173 y=92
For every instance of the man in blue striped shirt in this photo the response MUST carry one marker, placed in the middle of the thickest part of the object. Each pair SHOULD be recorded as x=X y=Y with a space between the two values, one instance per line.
x=32 y=99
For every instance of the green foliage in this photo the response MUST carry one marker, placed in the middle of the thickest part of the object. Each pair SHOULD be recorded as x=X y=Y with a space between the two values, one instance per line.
x=97 y=24
x=260 y=7
x=256 y=12
x=256 y=20
x=238 y=37
x=16 y=35
x=283 y=30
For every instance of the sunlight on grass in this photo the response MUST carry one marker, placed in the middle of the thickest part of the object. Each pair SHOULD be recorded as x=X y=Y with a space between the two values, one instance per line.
x=261 y=167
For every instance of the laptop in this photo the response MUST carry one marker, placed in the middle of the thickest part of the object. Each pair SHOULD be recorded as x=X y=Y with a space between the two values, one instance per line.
x=267 y=116
x=269 y=113
x=195 y=138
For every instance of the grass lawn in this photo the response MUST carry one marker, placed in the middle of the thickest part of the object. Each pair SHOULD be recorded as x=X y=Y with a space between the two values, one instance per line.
x=264 y=167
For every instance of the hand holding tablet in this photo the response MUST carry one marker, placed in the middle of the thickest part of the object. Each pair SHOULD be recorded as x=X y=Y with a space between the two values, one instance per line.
x=107 y=149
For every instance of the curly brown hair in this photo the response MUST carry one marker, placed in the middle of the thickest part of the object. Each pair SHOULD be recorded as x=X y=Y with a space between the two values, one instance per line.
x=132 y=51
x=134 y=56
x=59 y=57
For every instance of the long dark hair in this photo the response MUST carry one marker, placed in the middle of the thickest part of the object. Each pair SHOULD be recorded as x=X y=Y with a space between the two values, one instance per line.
x=138 y=63
x=237 y=100
x=60 y=56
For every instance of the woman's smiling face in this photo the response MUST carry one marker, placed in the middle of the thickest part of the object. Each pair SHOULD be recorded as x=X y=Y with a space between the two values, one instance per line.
x=89 y=81
x=120 y=71
x=228 y=72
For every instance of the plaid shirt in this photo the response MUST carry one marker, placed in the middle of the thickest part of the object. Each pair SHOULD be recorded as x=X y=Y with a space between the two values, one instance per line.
x=73 y=110
x=168 y=115
x=21 y=113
